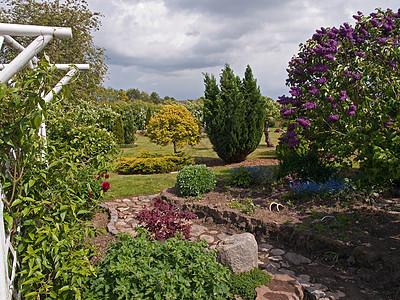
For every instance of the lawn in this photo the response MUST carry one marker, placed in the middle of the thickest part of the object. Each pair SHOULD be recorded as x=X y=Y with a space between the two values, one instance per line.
x=130 y=185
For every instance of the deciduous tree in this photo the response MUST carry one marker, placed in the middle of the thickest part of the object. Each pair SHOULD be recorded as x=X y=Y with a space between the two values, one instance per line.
x=174 y=124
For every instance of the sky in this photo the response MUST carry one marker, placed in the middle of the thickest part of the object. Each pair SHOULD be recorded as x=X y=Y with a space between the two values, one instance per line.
x=165 y=46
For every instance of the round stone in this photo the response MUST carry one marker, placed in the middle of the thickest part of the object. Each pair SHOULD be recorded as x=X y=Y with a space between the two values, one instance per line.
x=197 y=230
x=277 y=252
x=209 y=239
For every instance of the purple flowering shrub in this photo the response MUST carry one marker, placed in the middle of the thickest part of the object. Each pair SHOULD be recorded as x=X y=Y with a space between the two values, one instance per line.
x=344 y=97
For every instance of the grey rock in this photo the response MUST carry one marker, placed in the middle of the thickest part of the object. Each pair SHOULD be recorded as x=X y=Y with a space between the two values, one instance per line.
x=238 y=252
x=223 y=236
x=264 y=247
x=304 y=277
x=297 y=259
x=288 y=272
x=277 y=252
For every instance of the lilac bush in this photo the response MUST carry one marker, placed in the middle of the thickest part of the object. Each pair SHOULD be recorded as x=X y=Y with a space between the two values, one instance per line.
x=344 y=97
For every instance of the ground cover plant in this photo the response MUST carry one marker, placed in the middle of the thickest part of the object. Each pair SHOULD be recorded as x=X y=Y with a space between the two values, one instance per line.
x=344 y=99
x=244 y=284
x=246 y=176
x=142 y=268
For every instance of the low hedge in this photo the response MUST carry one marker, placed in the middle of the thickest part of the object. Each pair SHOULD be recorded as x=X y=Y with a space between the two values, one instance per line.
x=150 y=163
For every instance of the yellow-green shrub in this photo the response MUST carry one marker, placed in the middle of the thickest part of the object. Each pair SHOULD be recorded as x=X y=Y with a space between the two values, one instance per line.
x=149 y=163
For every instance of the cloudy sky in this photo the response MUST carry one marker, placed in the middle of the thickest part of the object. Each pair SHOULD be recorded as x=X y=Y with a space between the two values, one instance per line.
x=164 y=46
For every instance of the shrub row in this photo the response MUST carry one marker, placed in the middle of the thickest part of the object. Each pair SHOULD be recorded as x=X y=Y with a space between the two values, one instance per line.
x=150 y=163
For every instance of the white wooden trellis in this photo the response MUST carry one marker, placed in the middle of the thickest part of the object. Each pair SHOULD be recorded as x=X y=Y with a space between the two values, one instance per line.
x=27 y=56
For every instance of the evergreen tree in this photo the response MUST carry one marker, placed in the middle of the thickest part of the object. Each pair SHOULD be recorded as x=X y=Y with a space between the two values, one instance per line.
x=234 y=114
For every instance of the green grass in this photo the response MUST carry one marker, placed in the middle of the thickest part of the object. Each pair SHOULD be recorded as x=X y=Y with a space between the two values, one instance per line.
x=130 y=185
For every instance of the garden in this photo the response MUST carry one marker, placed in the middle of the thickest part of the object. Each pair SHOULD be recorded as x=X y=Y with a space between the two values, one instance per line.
x=328 y=190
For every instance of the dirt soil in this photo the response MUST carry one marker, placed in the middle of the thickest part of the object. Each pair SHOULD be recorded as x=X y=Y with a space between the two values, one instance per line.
x=358 y=240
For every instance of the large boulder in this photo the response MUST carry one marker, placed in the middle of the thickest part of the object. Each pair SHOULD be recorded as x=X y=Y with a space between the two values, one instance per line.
x=238 y=252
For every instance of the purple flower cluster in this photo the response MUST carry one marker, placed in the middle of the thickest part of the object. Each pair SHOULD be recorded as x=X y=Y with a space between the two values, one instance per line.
x=355 y=77
x=314 y=72
x=332 y=118
x=352 y=110
x=343 y=95
x=303 y=123
x=310 y=105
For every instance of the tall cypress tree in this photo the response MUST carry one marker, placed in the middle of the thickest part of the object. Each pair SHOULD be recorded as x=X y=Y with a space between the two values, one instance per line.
x=234 y=114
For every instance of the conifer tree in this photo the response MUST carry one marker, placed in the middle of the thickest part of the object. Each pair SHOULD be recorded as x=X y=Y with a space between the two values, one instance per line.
x=234 y=114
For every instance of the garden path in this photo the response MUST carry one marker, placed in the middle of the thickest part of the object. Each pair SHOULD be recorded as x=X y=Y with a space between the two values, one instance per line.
x=275 y=261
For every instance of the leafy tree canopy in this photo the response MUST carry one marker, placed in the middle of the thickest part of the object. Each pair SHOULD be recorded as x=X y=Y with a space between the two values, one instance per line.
x=174 y=124
x=80 y=49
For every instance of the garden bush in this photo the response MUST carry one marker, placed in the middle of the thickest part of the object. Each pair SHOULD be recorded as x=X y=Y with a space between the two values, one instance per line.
x=244 y=284
x=164 y=221
x=49 y=195
x=150 y=163
x=252 y=175
x=141 y=268
x=344 y=98
x=195 y=180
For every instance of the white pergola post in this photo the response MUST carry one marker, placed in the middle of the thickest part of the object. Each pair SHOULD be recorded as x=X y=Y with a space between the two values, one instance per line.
x=27 y=56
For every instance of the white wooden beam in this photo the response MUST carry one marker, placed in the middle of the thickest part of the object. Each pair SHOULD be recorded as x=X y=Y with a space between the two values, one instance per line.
x=35 y=30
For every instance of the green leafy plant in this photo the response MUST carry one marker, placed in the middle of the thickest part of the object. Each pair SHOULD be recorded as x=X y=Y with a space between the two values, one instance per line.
x=141 y=268
x=244 y=284
x=195 y=180
x=48 y=195
x=252 y=175
x=245 y=205
x=240 y=177
x=174 y=124
x=150 y=163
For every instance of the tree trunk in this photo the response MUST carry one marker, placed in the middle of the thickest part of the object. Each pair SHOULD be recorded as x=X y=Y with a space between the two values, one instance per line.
x=174 y=147
x=266 y=133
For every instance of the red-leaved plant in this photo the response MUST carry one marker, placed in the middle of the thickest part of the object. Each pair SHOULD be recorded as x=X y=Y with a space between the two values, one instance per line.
x=164 y=220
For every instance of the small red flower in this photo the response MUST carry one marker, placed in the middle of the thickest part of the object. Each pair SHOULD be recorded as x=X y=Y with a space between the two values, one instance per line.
x=102 y=175
x=90 y=195
x=98 y=178
x=94 y=176
x=105 y=186
x=107 y=175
